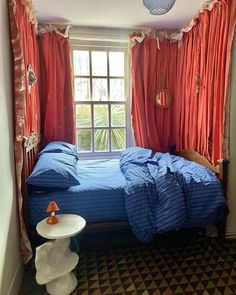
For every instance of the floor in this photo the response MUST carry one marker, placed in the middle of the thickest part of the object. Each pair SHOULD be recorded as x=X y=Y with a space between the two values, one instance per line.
x=197 y=266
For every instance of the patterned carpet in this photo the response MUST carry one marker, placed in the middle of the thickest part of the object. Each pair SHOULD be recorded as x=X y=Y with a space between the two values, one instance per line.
x=173 y=266
x=201 y=266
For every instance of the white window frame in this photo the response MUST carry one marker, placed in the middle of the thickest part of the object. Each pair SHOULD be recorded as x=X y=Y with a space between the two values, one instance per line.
x=105 y=46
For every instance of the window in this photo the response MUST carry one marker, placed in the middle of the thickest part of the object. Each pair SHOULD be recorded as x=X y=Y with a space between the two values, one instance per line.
x=101 y=104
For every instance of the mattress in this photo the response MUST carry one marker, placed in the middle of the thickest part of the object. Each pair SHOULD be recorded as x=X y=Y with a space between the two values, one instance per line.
x=99 y=197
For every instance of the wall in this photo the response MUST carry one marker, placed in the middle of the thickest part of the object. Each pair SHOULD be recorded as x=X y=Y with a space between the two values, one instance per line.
x=231 y=228
x=10 y=261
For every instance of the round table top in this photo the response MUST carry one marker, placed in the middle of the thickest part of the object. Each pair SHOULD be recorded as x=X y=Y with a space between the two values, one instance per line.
x=68 y=226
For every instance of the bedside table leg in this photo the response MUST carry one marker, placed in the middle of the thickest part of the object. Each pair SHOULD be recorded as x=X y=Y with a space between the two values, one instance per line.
x=54 y=262
x=64 y=285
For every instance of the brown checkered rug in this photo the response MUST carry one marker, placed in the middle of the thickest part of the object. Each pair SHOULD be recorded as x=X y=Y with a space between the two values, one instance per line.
x=201 y=266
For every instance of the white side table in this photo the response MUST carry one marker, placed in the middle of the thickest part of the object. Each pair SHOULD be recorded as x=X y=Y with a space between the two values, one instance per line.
x=54 y=261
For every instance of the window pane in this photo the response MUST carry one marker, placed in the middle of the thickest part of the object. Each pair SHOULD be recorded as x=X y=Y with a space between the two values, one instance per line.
x=83 y=115
x=81 y=62
x=117 y=115
x=101 y=143
x=118 y=139
x=117 y=89
x=116 y=63
x=82 y=89
x=99 y=63
x=100 y=89
x=101 y=118
x=84 y=140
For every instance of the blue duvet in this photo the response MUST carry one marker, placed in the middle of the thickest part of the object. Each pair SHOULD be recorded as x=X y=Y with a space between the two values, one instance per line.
x=165 y=192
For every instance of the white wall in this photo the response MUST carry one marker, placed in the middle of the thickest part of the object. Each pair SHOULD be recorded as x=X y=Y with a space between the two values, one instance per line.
x=231 y=228
x=10 y=261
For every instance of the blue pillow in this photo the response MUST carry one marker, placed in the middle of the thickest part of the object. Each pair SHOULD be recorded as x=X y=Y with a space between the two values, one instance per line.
x=60 y=147
x=54 y=170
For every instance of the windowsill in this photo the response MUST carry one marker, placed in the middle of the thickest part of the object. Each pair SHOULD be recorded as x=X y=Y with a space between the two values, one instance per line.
x=99 y=156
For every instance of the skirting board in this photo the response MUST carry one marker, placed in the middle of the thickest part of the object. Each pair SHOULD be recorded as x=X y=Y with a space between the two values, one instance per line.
x=17 y=279
x=231 y=232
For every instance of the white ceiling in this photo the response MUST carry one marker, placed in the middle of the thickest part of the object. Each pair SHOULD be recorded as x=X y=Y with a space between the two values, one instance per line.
x=114 y=13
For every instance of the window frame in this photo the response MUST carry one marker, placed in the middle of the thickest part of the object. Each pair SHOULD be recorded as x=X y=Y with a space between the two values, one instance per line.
x=107 y=47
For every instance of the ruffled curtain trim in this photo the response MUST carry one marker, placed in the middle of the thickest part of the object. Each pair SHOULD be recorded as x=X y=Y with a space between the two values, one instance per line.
x=138 y=37
x=63 y=31
x=30 y=10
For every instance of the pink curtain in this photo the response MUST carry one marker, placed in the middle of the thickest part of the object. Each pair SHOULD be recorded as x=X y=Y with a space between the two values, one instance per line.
x=152 y=126
x=56 y=87
x=196 y=74
x=26 y=98
x=206 y=54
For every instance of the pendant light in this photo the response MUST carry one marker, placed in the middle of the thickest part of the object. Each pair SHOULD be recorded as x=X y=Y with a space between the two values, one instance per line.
x=158 y=7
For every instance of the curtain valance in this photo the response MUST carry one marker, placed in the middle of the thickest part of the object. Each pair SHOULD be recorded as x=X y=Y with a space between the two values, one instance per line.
x=61 y=30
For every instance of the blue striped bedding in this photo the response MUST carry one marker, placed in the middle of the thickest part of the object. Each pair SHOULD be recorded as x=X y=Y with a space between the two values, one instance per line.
x=98 y=198
x=154 y=192
x=165 y=192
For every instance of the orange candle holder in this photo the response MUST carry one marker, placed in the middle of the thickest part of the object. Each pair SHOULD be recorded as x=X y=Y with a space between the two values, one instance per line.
x=52 y=208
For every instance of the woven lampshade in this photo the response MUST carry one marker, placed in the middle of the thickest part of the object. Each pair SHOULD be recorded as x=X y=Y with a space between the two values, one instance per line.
x=158 y=7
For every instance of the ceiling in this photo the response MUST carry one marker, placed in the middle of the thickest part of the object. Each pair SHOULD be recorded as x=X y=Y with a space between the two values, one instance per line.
x=114 y=13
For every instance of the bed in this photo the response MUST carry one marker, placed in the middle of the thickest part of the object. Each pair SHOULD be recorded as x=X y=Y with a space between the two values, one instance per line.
x=100 y=197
